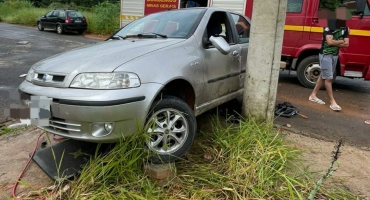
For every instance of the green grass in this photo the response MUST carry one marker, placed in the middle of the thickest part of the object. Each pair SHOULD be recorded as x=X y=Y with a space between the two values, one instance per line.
x=102 y=19
x=5 y=130
x=244 y=161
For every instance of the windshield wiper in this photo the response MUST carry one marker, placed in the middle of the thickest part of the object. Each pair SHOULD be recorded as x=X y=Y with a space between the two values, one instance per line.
x=140 y=35
x=157 y=34
x=118 y=37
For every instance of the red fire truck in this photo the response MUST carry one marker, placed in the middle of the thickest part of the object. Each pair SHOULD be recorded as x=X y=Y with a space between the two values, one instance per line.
x=302 y=35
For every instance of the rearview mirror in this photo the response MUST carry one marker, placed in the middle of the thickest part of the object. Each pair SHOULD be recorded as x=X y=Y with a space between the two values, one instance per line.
x=360 y=5
x=220 y=44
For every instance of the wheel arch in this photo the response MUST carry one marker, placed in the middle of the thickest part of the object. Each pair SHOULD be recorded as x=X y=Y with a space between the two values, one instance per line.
x=179 y=88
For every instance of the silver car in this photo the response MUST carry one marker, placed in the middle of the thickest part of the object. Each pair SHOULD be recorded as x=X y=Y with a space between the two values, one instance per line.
x=166 y=68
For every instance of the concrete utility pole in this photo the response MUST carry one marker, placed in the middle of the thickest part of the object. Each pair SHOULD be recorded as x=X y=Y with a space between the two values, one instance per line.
x=264 y=55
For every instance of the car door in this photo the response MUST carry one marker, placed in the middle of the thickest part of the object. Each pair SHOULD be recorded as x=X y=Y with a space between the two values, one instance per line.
x=45 y=20
x=53 y=19
x=61 y=17
x=242 y=29
x=221 y=71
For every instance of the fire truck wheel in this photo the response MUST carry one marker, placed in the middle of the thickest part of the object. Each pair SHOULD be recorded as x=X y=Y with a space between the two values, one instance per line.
x=309 y=71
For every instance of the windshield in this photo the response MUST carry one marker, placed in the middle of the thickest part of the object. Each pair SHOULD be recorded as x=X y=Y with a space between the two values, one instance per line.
x=172 y=24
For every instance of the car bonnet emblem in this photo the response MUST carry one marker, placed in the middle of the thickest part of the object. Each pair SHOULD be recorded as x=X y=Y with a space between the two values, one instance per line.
x=44 y=77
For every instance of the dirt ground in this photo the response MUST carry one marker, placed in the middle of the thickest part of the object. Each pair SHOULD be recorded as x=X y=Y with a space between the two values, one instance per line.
x=353 y=172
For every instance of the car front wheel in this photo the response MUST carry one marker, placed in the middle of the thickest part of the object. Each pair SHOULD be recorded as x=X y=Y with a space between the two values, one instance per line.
x=39 y=26
x=171 y=128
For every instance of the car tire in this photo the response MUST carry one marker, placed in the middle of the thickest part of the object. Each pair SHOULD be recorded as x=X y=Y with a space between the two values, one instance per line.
x=80 y=32
x=60 y=29
x=39 y=26
x=175 y=124
x=308 y=71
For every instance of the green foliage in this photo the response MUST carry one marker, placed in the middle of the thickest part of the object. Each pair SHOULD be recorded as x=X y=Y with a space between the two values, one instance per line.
x=227 y=161
x=102 y=18
x=18 y=4
x=25 y=16
x=106 y=18
x=329 y=4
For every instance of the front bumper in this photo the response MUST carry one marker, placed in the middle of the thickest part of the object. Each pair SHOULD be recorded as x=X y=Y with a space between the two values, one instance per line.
x=80 y=113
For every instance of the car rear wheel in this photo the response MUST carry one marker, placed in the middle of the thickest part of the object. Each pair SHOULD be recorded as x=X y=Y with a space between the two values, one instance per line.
x=80 y=32
x=39 y=26
x=171 y=128
x=59 y=29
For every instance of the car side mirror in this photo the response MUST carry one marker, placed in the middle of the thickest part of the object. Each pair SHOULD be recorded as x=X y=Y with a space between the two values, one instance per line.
x=360 y=5
x=220 y=44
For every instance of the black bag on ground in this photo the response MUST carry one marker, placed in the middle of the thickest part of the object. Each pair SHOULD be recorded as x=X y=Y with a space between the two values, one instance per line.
x=285 y=109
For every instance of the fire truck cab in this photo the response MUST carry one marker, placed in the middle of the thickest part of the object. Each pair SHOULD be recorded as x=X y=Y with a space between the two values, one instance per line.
x=302 y=33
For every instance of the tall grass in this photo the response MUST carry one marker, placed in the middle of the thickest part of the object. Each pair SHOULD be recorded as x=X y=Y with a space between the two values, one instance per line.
x=102 y=19
x=227 y=161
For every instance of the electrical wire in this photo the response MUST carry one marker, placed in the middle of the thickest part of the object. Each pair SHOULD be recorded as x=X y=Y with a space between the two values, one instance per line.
x=25 y=168
x=28 y=163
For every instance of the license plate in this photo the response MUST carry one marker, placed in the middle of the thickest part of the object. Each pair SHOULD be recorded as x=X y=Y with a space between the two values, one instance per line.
x=40 y=111
x=78 y=21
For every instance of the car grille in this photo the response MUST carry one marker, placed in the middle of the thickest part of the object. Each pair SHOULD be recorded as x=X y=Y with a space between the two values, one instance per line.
x=46 y=78
x=60 y=126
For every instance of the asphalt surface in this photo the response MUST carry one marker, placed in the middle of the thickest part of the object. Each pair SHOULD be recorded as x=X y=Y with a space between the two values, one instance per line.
x=21 y=47
x=352 y=95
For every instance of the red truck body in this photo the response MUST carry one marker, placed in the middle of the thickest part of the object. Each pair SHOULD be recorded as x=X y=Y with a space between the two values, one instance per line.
x=303 y=37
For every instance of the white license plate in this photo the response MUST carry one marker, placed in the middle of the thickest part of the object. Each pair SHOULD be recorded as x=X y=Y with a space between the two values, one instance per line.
x=40 y=110
x=78 y=21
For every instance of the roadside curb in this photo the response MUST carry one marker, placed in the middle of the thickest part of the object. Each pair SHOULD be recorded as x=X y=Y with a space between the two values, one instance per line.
x=95 y=37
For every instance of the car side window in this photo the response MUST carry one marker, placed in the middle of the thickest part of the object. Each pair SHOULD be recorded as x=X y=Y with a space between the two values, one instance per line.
x=55 y=13
x=219 y=26
x=294 y=6
x=351 y=10
x=62 y=15
x=242 y=27
x=367 y=11
x=49 y=14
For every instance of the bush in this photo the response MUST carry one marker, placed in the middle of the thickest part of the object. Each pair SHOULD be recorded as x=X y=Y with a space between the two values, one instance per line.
x=18 y=4
x=106 y=19
x=10 y=9
x=25 y=16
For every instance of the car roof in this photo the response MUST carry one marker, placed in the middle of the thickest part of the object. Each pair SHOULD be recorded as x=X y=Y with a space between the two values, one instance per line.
x=66 y=10
x=210 y=9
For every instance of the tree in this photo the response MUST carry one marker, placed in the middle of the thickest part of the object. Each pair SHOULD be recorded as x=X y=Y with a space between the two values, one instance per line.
x=331 y=4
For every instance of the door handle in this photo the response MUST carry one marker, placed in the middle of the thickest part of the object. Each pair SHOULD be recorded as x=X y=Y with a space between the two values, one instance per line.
x=315 y=20
x=235 y=53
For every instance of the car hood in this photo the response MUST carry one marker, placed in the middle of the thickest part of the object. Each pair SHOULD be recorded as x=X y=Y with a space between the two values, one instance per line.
x=102 y=57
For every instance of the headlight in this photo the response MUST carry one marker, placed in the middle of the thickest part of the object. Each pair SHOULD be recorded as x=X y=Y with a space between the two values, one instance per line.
x=30 y=75
x=106 y=80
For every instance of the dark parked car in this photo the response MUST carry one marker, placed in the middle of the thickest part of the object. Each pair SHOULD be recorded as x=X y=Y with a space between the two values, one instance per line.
x=63 y=20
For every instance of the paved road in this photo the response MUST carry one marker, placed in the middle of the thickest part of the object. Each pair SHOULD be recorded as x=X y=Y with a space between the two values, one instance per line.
x=352 y=95
x=16 y=59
